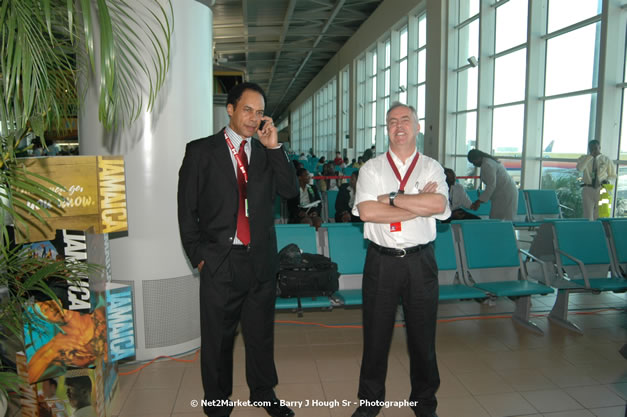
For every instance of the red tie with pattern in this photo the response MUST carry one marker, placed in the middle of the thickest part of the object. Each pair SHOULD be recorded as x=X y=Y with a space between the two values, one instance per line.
x=243 y=227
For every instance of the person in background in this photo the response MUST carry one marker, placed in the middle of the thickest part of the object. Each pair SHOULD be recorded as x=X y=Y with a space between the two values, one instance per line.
x=369 y=153
x=345 y=201
x=328 y=170
x=78 y=390
x=500 y=187
x=359 y=163
x=597 y=170
x=226 y=191
x=299 y=208
x=400 y=194
x=458 y=199
x=338 y=159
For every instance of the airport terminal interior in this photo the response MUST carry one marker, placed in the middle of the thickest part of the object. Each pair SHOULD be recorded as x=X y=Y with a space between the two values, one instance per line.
x=530 y=82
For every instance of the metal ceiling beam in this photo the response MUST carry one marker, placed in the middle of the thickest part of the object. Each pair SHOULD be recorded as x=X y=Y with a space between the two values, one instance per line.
x=286 y=26
x=336 y=10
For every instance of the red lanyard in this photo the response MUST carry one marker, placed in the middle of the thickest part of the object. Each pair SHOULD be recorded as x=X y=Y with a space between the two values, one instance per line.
x=403 y=181
x=240 y=165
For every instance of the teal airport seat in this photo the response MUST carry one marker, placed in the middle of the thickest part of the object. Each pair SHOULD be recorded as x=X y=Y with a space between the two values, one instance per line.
x=302 y=235
x=542 y=204
x=450 y=279
x=491 y=262
x=582 y=264
x=331 y=198
x=616 y=231
x=346 y=246
x=484 y=208
x=582 y=246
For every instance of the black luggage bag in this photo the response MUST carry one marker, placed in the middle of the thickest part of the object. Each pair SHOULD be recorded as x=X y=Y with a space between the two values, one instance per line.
x=305 y=274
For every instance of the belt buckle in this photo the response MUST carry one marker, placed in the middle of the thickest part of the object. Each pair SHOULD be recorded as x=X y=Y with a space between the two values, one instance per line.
x=403 y=254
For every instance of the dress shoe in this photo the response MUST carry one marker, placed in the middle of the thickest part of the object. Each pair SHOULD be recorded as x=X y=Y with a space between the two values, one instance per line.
x=278 y=410
x=364 y=411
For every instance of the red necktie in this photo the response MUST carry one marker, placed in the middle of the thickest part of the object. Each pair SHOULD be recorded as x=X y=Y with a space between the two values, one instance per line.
x=243 y=227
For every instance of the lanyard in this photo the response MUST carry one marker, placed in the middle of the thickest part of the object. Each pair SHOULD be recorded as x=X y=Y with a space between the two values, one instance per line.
x=240 y=164
x=403 y=181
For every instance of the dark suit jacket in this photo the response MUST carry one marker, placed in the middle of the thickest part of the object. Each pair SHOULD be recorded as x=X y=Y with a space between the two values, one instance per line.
x=208 y=201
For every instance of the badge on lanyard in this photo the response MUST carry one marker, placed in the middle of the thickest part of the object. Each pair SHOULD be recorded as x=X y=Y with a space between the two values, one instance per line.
x=396 y=226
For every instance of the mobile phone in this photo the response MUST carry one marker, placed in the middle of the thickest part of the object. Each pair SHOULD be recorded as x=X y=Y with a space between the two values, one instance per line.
x=262 y=124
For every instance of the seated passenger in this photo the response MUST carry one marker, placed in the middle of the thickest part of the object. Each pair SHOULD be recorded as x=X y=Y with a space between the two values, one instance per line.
x=301 y=209
x=458 y=199
x=345 y=201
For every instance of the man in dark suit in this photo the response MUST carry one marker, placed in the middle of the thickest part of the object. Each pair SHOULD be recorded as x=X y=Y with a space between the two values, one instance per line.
x=225 y=213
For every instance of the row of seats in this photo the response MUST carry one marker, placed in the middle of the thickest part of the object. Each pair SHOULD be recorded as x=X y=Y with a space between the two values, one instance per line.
x=481 y=259
x=533 y=206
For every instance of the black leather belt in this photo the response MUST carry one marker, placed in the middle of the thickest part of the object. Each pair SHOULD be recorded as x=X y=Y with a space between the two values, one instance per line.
x=400 y=253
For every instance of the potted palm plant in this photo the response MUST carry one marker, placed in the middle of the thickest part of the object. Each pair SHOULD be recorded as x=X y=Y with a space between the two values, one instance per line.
x=47 y=47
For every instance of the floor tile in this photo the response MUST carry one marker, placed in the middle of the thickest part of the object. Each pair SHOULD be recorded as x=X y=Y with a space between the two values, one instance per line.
x=595 y=396
x=551 y=401
x=619 y=411
x=504 y=405
x=466 y=406
x=488 y=368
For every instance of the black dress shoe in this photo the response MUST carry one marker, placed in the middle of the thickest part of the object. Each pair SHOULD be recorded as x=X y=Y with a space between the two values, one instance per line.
x=278 y=410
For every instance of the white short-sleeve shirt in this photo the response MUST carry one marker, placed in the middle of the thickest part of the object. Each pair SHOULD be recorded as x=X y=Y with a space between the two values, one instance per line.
x=376 y=177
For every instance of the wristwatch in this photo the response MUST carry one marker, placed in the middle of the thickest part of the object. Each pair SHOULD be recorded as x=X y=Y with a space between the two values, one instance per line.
x=392 y=196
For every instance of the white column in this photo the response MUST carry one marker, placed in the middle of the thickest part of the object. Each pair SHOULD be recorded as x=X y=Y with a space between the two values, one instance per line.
x=150 y=256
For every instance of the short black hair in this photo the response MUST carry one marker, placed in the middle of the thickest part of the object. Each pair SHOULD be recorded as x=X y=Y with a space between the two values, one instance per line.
x=593 y=142
x=236 y=92
x=300 y=171
x=79 y=382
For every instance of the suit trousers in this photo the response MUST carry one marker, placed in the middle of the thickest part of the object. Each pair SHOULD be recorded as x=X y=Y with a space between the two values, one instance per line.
x=233 y=295
x=412 y=280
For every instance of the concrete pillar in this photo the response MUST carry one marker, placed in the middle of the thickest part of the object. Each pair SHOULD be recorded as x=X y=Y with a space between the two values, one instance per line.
x=150 y=257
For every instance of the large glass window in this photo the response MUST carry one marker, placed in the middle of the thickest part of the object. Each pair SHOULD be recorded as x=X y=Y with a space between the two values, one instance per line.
x=371 y=112
x=566 y=126
x=346 y=108
x=507 y=130
x=571 y=63
x=509 y=77
x=563 y=13
x=511 y=25
x=402 y=79
x=360 y=109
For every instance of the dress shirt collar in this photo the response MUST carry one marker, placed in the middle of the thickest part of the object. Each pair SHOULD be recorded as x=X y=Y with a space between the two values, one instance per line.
x=235 y=138
x=398 y=161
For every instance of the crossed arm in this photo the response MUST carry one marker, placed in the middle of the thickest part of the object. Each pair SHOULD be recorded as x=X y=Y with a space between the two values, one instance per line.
x=406 y=206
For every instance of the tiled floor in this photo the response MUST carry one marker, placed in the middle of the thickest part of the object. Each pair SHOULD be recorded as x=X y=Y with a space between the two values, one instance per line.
x=488 y=366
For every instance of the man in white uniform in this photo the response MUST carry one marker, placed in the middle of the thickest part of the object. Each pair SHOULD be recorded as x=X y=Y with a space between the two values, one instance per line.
x=399 y=195
x=597 y=170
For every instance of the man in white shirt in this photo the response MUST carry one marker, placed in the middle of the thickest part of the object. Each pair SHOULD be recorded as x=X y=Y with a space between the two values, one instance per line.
x=399 y=195
x=597 y=170
x=458 y=198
